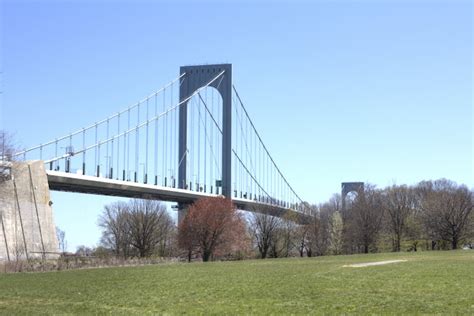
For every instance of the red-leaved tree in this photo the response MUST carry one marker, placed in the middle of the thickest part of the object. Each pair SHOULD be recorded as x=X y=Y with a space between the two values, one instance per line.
x=211 y=226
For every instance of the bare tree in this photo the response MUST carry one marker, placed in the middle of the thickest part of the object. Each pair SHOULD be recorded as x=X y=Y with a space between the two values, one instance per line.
x=139 y=227
x=446 y=210
x=169 y=234
x=317 y=231
x=84 y=251
x=336 y=240
x=325 y=215
x=116 y=228
x=61 y=236
x=302 y=230
x=264 y=228
x=149 y=224
x=312 y=232
x=335 y=203
x=287 y=236
x=414 y=230
x=398 y=203
x=7 y=146
x=7 y=149
x=366 y=218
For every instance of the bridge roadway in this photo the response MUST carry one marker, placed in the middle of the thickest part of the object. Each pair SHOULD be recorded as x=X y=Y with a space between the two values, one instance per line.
x=69 y=182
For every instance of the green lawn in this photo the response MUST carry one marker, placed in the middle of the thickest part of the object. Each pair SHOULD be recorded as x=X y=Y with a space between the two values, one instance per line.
x=428 y=283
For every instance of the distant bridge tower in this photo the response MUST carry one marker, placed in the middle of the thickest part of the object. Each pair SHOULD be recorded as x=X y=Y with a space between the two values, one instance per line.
x=194 y=78
x=348 y=187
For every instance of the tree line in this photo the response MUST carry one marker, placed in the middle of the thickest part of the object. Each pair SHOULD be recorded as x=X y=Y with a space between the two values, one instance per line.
x=432 y=215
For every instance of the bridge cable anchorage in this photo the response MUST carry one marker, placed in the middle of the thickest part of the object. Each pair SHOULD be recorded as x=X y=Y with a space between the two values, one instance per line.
x=99 y=122
x=263 y=145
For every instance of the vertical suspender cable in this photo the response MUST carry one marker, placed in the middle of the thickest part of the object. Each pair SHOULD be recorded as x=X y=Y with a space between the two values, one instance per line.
x=191 y=175
x=205 y=144
x=107 y=158
x=247 y=155
x=56 y=153
x=173 y=141
x=212 y=140
x=146 y=141
x=118 y=147
x=165 y=136
x=84 y=152
x=124 y=176
x=95 y=151
x=128 y=146
x=155 y=149
x=250 y=157
x=163 y=155
x=199 y=148
x=220 y=136
x=242 y=186
x=171 y=138
x=256 y=162
x=234 y=104
x=111 y=167
x=98 y=162
x=137 y=144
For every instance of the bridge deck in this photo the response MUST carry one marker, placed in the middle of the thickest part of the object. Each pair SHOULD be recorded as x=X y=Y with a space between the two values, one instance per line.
x=69 y=182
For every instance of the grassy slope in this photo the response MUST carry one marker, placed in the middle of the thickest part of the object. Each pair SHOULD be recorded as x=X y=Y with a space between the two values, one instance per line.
x=430 y=282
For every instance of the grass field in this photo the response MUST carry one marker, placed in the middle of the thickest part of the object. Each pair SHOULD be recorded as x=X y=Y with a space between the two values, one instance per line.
x=428 y=283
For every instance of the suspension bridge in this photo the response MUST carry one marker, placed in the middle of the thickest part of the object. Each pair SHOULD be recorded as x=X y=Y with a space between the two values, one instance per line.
x=190 y=139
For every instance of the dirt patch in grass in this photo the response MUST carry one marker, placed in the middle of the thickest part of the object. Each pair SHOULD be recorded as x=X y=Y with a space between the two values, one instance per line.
x=369 y=264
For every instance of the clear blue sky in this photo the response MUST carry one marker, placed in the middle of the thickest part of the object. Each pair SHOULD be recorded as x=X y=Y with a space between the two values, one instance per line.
x=376 y=91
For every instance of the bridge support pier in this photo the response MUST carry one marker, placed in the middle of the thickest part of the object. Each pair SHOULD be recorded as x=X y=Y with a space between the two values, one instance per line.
x=182 y=209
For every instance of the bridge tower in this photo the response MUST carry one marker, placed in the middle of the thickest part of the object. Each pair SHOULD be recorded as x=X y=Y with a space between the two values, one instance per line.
x=194 y=78
x=347 y=187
